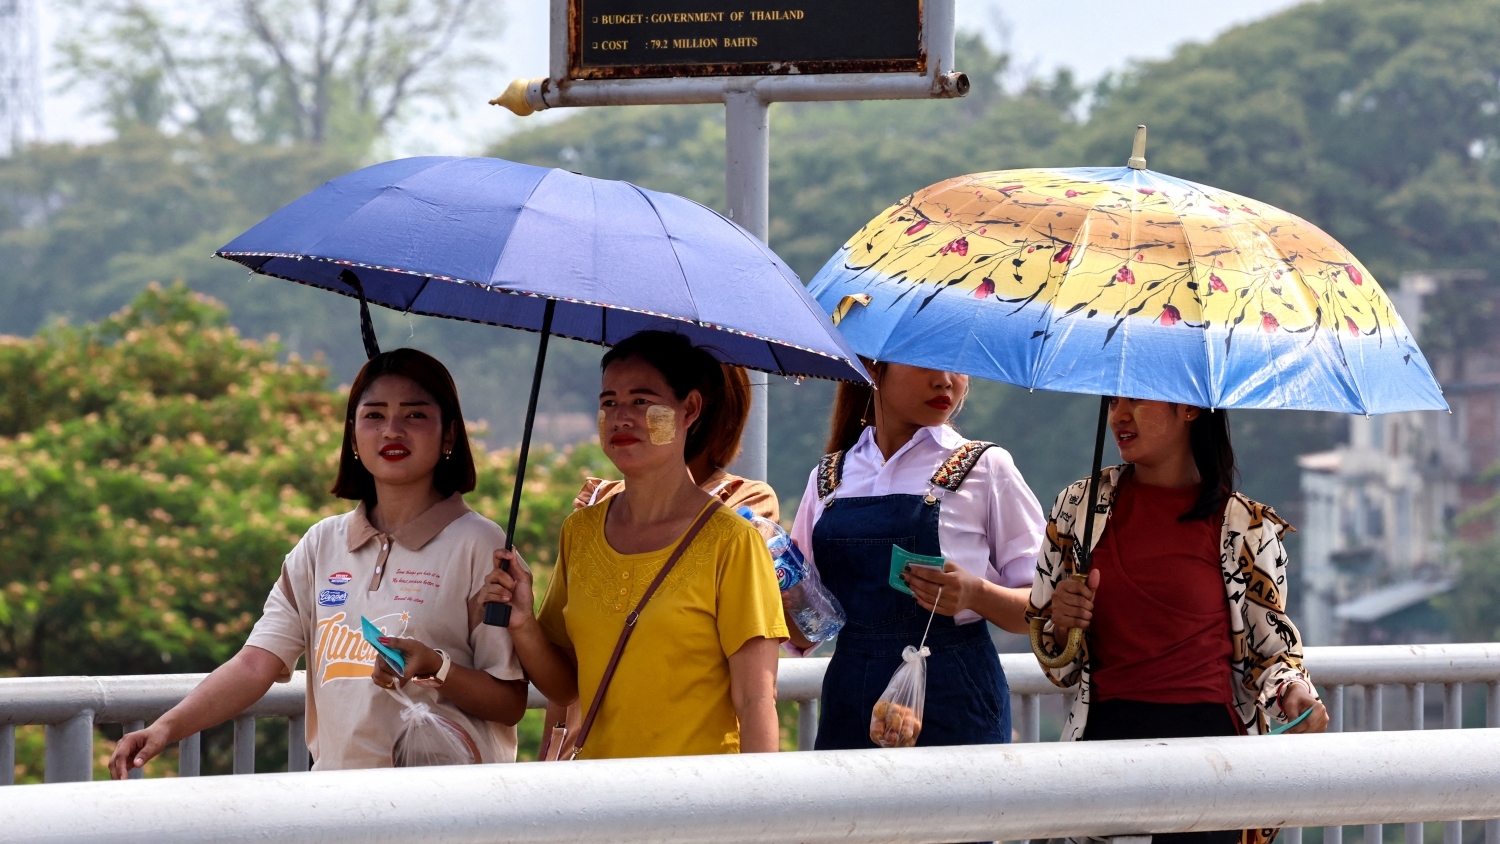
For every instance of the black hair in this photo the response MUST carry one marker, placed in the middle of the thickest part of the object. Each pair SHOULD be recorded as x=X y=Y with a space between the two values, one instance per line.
x=1214 y=455
x=725 y=390
x=454 y=473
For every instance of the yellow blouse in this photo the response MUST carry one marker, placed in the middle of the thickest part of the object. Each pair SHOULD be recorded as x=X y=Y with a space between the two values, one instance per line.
x=670 y=694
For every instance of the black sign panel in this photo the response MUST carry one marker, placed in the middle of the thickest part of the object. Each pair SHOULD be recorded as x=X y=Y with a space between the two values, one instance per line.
x=627 y=39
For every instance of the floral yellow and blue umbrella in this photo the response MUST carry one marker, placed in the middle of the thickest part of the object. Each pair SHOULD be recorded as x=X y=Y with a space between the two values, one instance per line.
x=1123 y=281
x=1119 y=281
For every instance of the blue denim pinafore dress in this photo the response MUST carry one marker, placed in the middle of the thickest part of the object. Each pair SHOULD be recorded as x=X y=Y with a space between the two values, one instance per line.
x=968 y=699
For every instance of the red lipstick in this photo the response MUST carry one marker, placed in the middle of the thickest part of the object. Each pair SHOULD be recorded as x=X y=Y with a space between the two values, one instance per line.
x=622 y=440
x=940 y=403
x=394 y=452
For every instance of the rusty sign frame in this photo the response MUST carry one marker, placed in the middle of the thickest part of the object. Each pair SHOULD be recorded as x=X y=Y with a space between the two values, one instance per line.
x=573 y=61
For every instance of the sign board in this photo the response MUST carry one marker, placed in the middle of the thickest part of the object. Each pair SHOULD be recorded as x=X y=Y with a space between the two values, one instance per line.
x=633 y=39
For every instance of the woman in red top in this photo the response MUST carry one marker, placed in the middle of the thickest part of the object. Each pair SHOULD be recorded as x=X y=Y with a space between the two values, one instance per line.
x=1185 y=606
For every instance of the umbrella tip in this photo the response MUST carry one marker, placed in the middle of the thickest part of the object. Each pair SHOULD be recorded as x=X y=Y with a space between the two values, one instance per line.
x=1138 y=149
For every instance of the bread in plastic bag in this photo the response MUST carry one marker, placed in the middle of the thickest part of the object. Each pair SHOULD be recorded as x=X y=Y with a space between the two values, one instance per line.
x=428 y=739
x=896 y=720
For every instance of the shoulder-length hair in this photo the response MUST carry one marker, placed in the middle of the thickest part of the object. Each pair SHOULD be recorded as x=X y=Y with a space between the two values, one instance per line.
x=725 y=390
x=1213 y=454
x=455 y=472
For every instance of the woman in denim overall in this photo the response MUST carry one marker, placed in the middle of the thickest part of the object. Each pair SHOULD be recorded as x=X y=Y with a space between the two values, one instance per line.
x=914 y=482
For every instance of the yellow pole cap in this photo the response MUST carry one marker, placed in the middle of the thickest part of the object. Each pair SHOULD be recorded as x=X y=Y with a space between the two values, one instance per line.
x=514 y=98
x=1137 y=151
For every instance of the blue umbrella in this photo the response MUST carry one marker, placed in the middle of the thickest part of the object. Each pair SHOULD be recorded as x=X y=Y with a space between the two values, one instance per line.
x=1121 y=281
x=541 y=249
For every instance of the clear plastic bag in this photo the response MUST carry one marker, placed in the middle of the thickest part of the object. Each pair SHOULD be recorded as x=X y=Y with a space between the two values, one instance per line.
x=430 y=739
x=896 y=720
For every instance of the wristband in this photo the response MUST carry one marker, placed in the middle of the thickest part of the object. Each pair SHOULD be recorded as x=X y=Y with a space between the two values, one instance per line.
x=436 y=679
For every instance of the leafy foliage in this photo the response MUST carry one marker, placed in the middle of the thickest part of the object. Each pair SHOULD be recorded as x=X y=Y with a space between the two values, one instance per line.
x=275 y=71
x=156 y=467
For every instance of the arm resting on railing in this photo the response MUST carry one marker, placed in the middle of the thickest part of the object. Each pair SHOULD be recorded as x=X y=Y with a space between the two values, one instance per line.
x=225 y=693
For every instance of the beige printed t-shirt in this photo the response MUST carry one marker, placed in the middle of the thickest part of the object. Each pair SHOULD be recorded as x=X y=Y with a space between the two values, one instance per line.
x=415 y=583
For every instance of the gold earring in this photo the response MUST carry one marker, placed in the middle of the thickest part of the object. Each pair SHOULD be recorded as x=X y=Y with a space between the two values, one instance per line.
x=447 y=454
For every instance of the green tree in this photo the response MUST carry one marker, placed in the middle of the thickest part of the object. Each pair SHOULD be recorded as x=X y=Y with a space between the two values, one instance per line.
x=275 y=71
x=1376 y=119
x=156 y=467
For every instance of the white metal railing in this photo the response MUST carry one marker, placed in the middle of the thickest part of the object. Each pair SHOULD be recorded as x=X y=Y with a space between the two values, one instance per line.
x=982 y=792
x=1399 y=675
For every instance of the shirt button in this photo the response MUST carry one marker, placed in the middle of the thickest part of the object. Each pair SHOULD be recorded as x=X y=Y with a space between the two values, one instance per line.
x=624 y=591
x=624 y=575
x=618 y=608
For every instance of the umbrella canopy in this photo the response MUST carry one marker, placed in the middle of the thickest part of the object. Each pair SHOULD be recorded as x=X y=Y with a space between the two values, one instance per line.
x=1123 y=281
x=491 y=241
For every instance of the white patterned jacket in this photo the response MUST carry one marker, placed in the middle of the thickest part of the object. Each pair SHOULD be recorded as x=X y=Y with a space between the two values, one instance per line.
x=1267 y=650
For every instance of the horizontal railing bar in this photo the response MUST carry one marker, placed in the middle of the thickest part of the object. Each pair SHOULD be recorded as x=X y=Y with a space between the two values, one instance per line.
x=118 y=700
x=52 y=700
x=988 y=792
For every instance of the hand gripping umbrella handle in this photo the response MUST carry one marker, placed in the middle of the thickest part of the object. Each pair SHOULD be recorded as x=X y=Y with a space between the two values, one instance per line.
x=1075 y=640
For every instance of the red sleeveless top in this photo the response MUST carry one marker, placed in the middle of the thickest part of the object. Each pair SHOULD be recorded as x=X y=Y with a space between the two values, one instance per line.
x=1160 y=631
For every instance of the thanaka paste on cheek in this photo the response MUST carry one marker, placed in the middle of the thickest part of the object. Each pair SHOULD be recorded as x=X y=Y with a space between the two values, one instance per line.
x=603 y=431
x=661 y=424
x=1152 y=418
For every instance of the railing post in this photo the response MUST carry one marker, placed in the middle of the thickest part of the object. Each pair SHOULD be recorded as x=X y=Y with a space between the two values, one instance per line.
x=1335 y=704
x=133 y=726
x=8 y=755
x=807 y=723
x=296 y=743
x=1031 y=718
x=1453 y=719
x=1374 y=723
x=1416 y=705
x=1492 y=719
x=244 y=744
x=1291 y=836
x=70 y=749
x=190 y=755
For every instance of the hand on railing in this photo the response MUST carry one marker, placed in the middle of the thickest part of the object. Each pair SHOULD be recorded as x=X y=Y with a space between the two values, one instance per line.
x=135 y=749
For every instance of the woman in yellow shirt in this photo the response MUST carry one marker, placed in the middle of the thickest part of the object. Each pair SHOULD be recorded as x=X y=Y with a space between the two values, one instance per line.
x=699 y=675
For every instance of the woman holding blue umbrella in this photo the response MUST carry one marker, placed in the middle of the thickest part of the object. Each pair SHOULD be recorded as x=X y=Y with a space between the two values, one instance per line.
x=910 y=480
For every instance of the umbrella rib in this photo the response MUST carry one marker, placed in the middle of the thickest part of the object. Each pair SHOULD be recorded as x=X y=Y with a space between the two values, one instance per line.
x=1214 y=392
x=500 y=259
x=675 y=257
x=1037 y=363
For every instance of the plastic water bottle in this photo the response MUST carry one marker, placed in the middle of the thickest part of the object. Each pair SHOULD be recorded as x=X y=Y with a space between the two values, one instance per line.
x=814 y=609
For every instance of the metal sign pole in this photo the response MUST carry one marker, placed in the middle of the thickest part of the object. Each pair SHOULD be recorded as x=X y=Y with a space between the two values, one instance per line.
x=573 y=81
x=747 y=186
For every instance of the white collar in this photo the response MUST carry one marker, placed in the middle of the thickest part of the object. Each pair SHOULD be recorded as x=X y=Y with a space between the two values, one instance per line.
x=943 y=435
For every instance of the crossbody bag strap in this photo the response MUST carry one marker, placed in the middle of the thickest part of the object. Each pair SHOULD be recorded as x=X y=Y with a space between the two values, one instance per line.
x=635 y=616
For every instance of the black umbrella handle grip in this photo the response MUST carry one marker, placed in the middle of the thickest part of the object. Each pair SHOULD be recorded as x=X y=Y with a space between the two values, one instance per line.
x=498 y=614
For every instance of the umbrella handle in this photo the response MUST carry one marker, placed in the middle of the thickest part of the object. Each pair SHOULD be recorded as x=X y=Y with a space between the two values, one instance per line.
x=1075 y=639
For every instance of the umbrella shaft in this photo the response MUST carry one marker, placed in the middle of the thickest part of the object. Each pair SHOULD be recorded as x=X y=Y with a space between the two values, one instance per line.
x=1085 y=545
x=495 y=614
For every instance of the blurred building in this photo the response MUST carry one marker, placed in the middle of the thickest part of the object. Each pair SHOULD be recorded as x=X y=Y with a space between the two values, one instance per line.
x=1381 y=508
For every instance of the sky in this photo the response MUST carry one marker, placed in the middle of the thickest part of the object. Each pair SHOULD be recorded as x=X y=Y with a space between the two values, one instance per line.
x=1093 y=37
